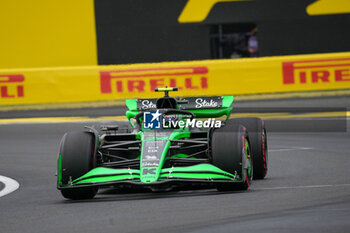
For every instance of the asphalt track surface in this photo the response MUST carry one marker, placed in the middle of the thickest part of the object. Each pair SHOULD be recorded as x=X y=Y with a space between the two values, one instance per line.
x=307 y=188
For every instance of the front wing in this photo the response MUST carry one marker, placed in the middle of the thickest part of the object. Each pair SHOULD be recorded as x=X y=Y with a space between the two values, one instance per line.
x=201 y=173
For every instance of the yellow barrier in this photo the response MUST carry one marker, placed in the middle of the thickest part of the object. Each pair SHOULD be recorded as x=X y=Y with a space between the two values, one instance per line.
x=42 y=33
x=194 y=78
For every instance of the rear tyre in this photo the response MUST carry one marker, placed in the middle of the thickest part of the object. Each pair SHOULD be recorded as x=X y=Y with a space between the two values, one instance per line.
x=230 y=152
x=258 y=143
x=77 y=158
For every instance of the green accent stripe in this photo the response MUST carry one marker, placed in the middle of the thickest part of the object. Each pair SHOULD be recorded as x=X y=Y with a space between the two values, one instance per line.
x=131 y=104
x=227 y=101
x=59 y=170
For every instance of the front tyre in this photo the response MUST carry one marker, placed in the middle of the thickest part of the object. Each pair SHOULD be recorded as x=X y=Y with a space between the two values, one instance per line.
x=231 y=152
x=76 y=158
x=258 y=143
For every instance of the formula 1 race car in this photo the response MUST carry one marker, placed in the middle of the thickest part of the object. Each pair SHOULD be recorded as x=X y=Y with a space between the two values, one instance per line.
x=167 y=147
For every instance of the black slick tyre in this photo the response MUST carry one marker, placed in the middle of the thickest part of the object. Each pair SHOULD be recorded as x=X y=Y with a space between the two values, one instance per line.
x=258 y=143
x=77 y=158
x=230 y=152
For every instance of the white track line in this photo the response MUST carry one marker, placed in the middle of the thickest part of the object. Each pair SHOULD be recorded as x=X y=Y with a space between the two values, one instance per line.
x=10 y=185
x=305 y=186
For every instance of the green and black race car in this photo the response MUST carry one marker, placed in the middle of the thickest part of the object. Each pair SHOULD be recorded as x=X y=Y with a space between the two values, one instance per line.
x=167 y=147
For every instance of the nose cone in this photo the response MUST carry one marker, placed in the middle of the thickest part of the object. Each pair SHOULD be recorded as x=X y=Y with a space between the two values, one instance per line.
x=154 y=149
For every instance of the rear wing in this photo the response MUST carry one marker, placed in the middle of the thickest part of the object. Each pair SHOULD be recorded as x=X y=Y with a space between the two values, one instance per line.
x=213 y=106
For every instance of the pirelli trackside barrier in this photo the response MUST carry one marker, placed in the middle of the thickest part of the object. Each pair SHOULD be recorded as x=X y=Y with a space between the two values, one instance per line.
x=209 y=77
